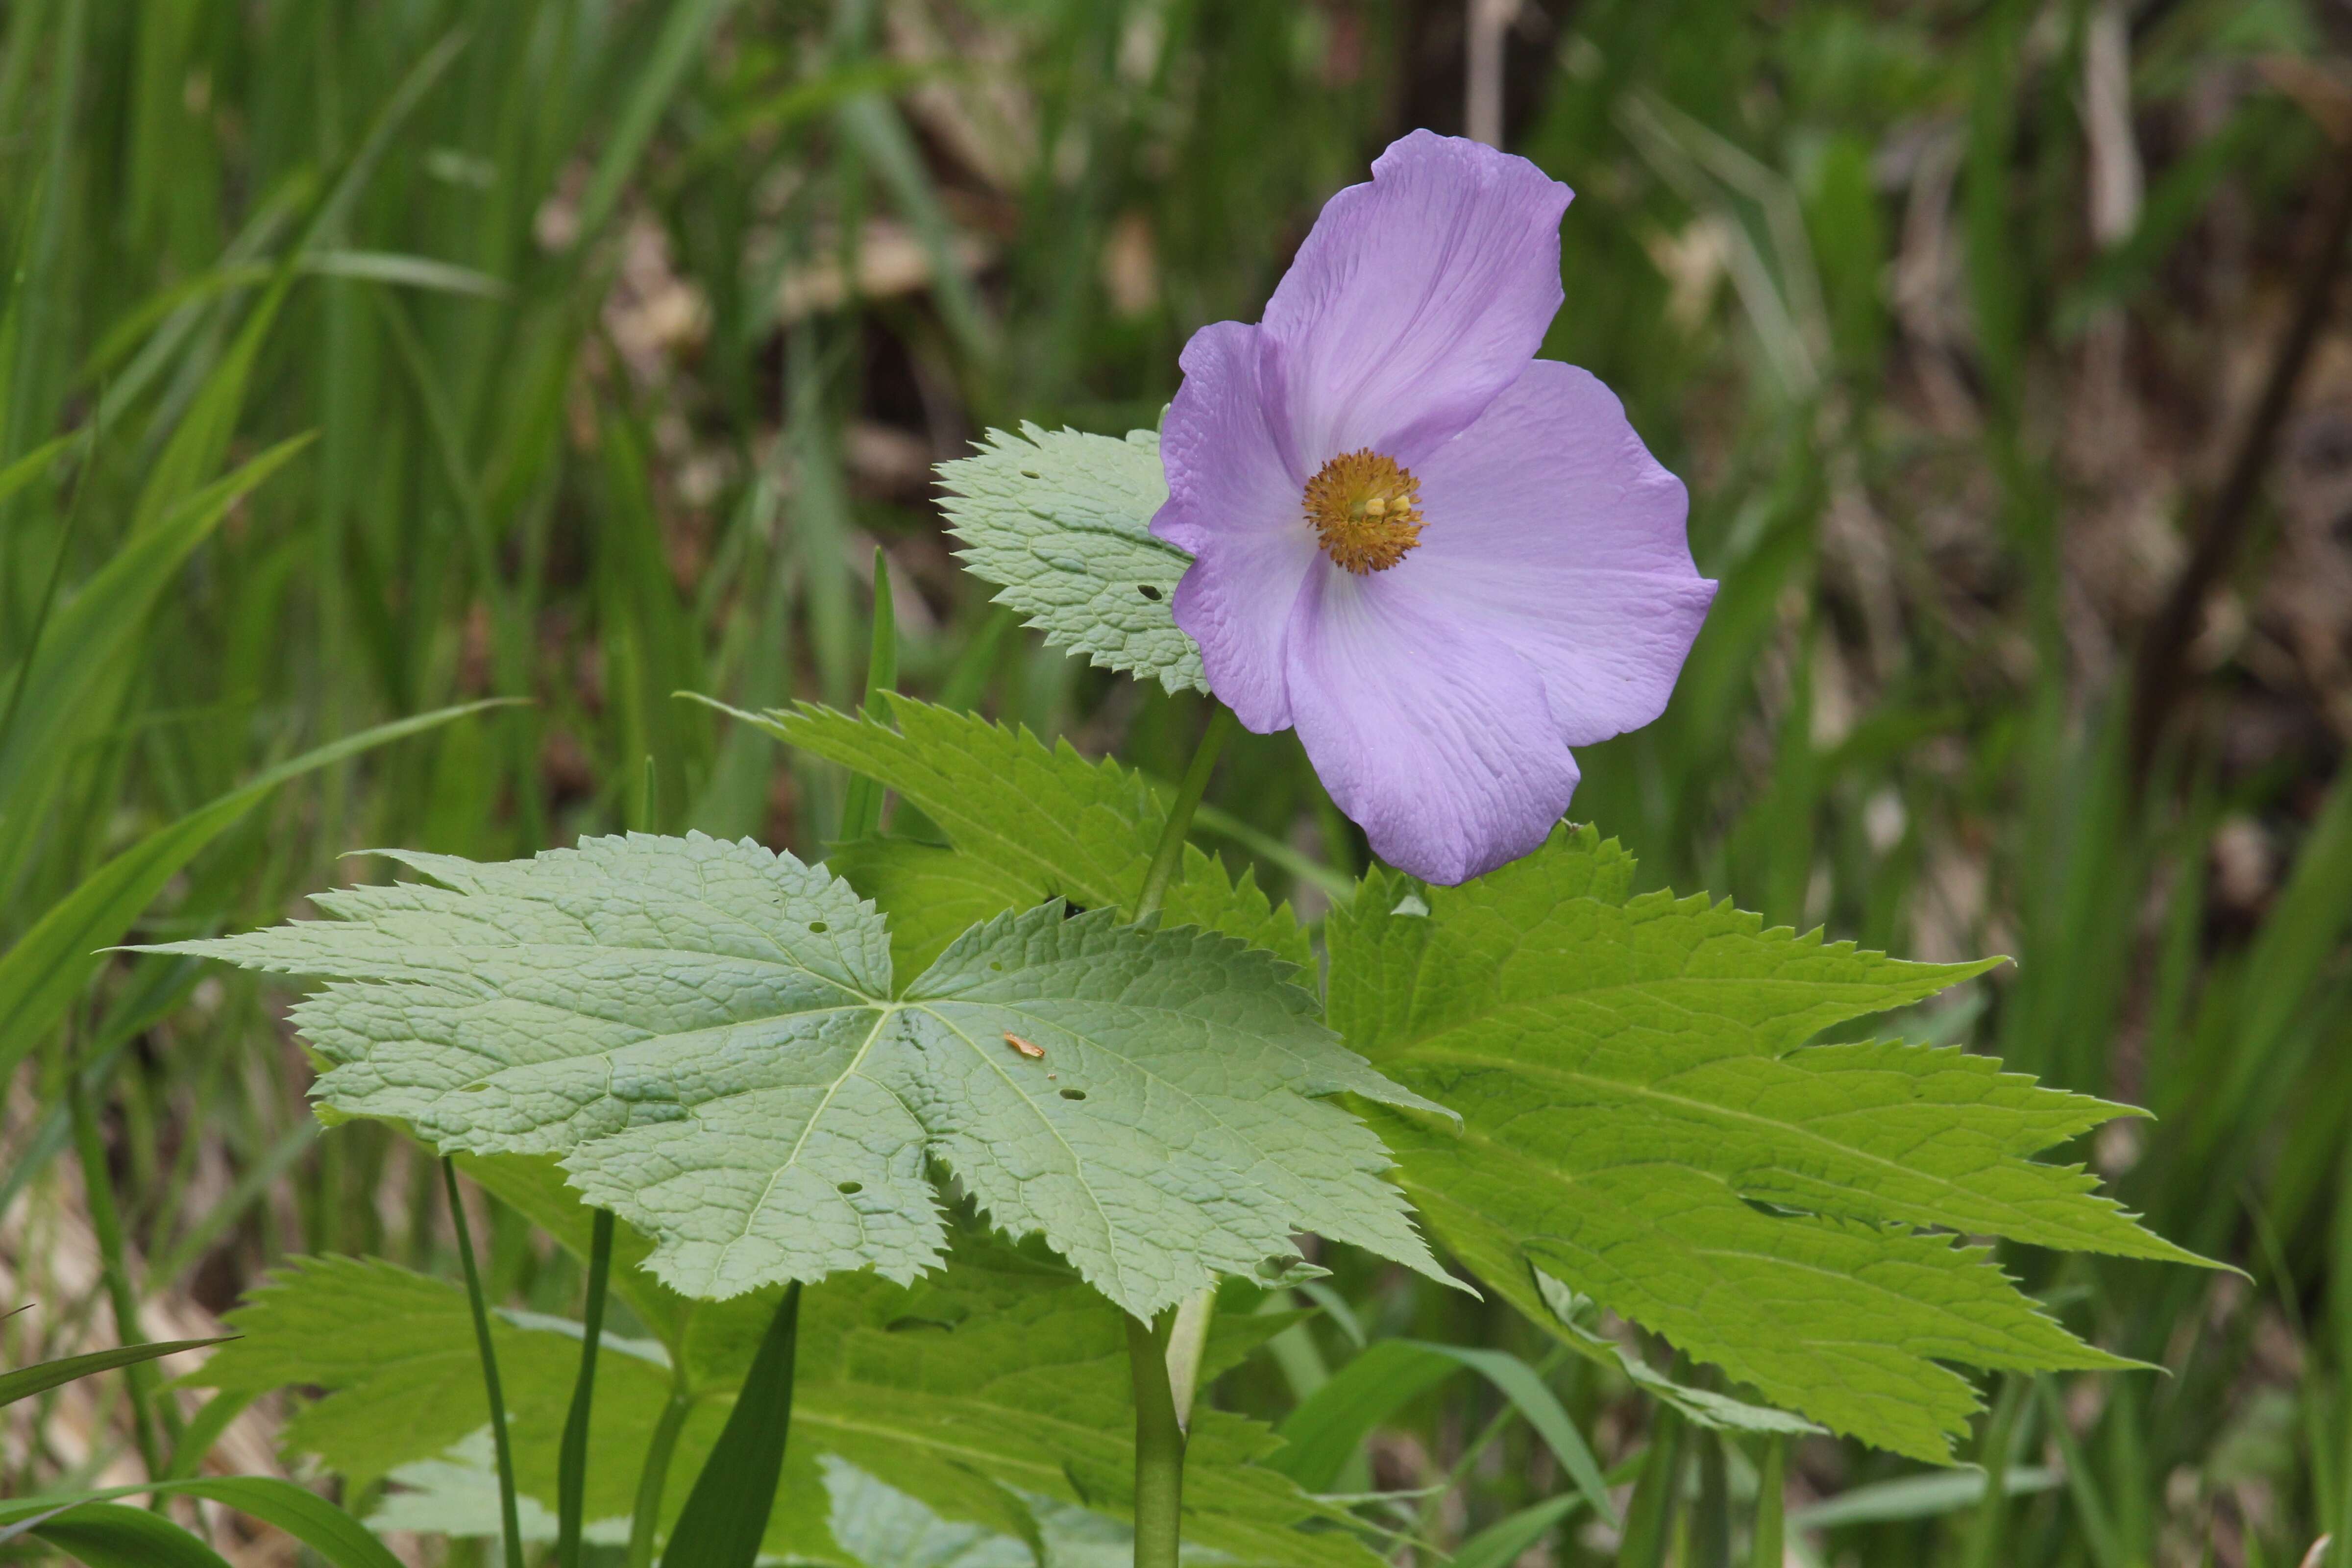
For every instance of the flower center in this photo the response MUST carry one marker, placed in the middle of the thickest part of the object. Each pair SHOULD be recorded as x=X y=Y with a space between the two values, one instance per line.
x=1362 y=507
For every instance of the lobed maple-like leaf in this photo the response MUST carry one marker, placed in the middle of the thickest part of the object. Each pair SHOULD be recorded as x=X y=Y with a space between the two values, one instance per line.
x=1640 y=1122
x=1026 y=821
x=1061 y=522
x=707 y=1034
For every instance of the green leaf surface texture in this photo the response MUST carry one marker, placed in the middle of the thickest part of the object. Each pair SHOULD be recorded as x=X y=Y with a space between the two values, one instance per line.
x=1061 y=524
x=707 y=1033
x=1027 y=822
x=1642 y=1122
x=998 y=1380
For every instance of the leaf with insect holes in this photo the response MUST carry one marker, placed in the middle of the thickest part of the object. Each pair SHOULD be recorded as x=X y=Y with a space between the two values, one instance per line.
x=984 y=1392
x=1027 y=822
x=1061 y=524
x=1642 y=1124
x=707 y=1033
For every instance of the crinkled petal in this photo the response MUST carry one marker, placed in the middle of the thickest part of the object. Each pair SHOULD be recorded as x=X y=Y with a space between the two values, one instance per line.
x=1233 y=503
x=1416 y=300
x=1428 y=729
x=1548 y=522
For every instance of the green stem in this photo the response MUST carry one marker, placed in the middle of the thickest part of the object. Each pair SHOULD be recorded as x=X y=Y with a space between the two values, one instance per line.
x=1710 y=1536
x=106 y=1221
x=1159 y=1451
x=1170 y=858
x=1650 y=1515
x=572 y=1472
x=508 y=1517
x=1771 y=1500
x=654 y=1475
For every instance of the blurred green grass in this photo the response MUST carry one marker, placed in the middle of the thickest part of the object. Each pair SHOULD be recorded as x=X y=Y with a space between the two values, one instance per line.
x=623 y=331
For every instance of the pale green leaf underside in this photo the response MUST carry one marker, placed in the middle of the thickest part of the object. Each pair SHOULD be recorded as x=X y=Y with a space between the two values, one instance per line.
x=707 y=1033
x=1028 y=822
x=1061 y=522
x=1000 y=1380
x=1641 y=1123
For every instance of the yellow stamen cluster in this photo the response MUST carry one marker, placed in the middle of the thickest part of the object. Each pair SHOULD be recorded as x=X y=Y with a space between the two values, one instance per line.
x=1364 y=511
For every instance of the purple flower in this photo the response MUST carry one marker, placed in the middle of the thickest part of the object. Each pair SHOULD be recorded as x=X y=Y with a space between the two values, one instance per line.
x=1444 y=560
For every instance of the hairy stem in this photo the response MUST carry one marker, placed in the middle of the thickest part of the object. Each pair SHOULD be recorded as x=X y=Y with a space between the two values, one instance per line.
x=507 y=1518
x=1159 y=1451
x=572 y=1472
x=654 y=1476
x=1168 y=858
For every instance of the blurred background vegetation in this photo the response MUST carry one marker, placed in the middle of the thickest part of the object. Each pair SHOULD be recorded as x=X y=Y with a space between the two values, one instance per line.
x=623 y=331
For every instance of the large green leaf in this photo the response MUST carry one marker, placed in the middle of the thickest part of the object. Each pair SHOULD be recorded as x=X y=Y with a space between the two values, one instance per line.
x=1642 y=1125
x=999 y=1380
x=1062 y=522
x=1028 y=822
x=708 y=1033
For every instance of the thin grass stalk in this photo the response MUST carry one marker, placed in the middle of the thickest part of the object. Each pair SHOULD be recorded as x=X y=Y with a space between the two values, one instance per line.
x=105 y=1223
x=1650 y=1515
x=1768 y=1547
x=572 y=1471
x=861 y=808
x=508 y=1517
x=1984 y=1548
x=1710 y=1534
x=653 y=1478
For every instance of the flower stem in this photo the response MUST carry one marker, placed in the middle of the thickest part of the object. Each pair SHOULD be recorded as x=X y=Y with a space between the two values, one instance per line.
x=572 y=1472
x=1170 y=858
x=1158 y=1450
x=508 y=1517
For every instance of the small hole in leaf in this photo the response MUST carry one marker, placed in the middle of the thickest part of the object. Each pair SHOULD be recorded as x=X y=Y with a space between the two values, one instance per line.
x=819 y=926
x=1147 y=591
x=1074 y=1094
x=848 y=1188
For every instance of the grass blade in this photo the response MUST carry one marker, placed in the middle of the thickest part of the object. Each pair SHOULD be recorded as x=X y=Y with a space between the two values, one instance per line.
x=108 y=1535
x=727 y=1512
x=861 y=809
x=675 y=53
x=60 y=692
x=571 y=1474
x=25 y=1382
x=505 y=1449
x=40 y=976
x=1505 y=1540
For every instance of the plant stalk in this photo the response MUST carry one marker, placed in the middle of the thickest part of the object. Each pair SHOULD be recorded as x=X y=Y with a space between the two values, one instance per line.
x=653 y=1477
x=1158 y=1449
x=1771 y=1502
x=572 y=1472
x=508 y=1517
x=1168 y=858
